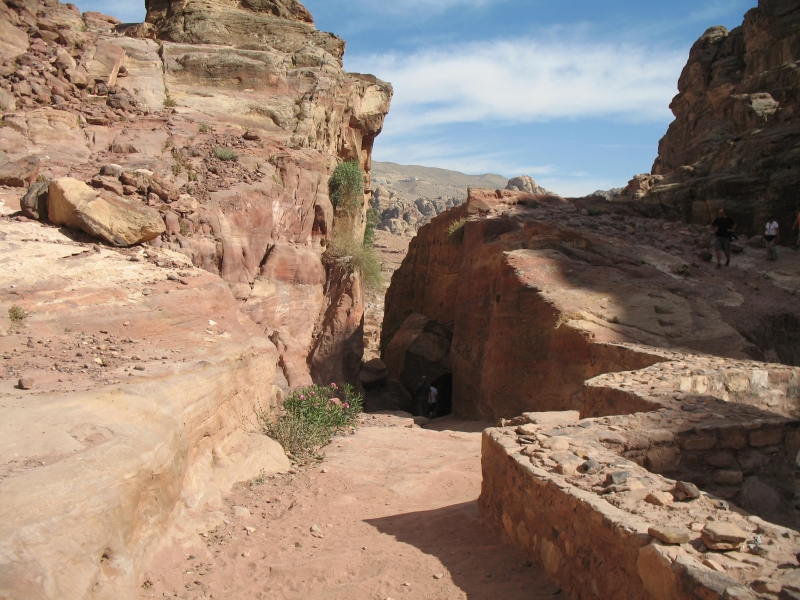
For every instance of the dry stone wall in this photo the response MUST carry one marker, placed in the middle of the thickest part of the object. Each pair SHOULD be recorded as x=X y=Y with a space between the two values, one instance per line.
x=604 y=527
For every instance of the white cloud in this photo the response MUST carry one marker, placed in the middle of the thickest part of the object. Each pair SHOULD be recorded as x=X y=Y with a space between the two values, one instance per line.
x=525 y=80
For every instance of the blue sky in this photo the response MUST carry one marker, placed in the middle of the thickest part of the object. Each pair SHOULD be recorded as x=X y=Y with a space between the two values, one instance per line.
x=575 y=93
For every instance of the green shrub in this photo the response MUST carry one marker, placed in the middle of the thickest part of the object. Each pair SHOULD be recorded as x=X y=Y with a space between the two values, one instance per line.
x=169 y=101
x=373 y=218
x=455 y=232
x=225 y=154
x=594 y=212
x=203 y=128
x=311 y=417
x=345 y=248
x=17 y=315
x=176 y=169
x=346 y=187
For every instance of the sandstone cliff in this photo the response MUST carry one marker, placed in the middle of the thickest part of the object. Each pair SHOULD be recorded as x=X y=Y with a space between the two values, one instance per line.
x=734 y=141
x=180 y=107
x=211 y=130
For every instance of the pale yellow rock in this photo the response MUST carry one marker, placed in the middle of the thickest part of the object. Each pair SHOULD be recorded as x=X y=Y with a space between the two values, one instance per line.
x=660 y=498
x=559 y=444
x=66 y=195
x=101 y=214
x=119 y=221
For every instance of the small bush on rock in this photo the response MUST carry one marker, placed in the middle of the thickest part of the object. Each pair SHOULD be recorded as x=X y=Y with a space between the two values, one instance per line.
x=225 y=154
x=373 y=218
x=362 y=257
x=346 y=187
x=311 y=417
x=455 y=232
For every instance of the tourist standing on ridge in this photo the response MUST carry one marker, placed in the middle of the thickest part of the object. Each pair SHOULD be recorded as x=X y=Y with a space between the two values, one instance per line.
x=423 y=392
x=724 y=226
x=772 y=234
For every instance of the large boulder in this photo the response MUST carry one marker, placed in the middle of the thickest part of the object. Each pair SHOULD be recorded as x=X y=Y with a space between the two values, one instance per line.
x=20 y=173
x=102 y=214
x=525 y=183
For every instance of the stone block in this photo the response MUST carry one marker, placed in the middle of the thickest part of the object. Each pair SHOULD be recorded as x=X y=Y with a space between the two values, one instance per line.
x=733 y=439
x=725 y=477
x=723 y=536
x=663 y=459
x=654 y=567
x=670 y=535
x=699 y=442
x=772 y=436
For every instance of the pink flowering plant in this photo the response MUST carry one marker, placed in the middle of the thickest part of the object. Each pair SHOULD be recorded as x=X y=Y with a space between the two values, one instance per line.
x=311 y=417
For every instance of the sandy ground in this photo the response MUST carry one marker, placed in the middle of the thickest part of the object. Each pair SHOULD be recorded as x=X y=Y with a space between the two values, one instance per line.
x=390 y=513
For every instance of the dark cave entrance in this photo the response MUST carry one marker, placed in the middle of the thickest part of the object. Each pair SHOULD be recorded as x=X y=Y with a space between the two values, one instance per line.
x=444 y=385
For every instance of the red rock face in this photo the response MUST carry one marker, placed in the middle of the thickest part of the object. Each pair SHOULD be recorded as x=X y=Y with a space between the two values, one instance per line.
x=737 y=123
x=253 y=79
x=538 y=302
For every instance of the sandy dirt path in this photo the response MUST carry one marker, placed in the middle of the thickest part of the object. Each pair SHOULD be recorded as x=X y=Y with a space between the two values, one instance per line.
x=391 y=513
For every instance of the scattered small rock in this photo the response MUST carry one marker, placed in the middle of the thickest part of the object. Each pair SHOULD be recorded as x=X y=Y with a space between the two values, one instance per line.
x=670 y=535
x=241 y=512
x=617 y=478
x=723 y=536
x=25 y=383
x=660 y=498
x=690 y=489
x=714 y=565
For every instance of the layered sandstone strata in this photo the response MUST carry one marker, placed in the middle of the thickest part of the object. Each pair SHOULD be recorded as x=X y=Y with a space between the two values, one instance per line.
x=533 y=303
x=136 y=379
x=734 y=140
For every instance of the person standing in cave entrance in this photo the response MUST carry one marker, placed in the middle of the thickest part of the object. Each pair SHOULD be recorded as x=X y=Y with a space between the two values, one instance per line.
x=724 y=226
x=423 y=392
x=433 y=400
x=772 y=234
